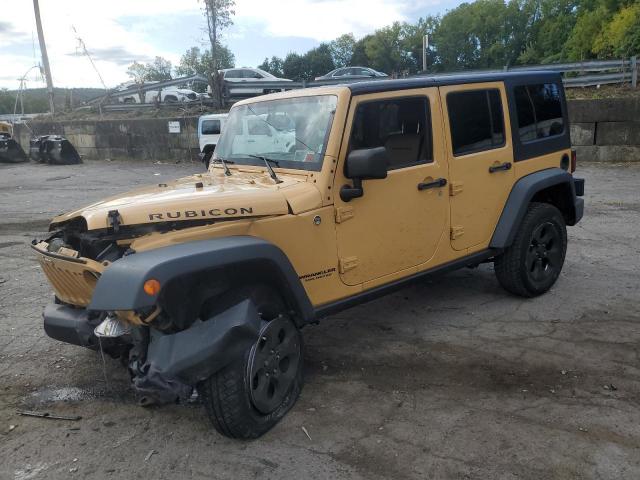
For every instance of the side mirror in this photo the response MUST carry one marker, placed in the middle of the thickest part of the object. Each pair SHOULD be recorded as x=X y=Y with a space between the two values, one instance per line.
x=364 y=164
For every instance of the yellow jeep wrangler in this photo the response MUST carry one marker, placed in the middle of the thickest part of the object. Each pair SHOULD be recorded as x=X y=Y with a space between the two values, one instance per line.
x=315 y=200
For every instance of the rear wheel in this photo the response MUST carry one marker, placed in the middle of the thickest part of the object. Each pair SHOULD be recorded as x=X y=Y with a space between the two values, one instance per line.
x=532 y=264
x=249 y=396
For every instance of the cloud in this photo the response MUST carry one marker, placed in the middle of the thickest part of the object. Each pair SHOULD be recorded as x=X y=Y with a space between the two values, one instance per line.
x=117 y=55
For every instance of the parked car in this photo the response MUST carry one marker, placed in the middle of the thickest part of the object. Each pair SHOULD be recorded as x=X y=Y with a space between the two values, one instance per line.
x=205 y=282
x=249 y=75
x=209 y=129
x=347 y=73
x=171 y=94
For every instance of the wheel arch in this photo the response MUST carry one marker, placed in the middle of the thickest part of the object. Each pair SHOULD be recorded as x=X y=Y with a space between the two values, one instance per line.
x=554 y=186
x=243 y=259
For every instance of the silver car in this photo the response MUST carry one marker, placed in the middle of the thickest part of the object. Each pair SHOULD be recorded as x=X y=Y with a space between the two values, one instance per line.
x=346 y=73
x=245 y=76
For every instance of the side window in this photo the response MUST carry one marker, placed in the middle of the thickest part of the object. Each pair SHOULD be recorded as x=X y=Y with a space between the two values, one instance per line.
x=476 y=121
x=539 y=111
x=402 y=125
x=210 y=127
x=232 y=74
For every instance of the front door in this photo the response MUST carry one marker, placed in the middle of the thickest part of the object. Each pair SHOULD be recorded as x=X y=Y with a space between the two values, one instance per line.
x=399 y=221
x=480 y=157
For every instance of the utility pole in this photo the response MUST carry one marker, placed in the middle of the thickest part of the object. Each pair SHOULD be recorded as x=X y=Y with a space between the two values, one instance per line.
x=425 y=47
x=45 y=57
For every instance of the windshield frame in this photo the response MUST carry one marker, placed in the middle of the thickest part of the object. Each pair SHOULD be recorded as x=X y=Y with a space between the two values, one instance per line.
x=283 y=164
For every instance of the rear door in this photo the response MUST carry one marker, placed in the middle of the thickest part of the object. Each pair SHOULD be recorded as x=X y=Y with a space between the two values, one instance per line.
x=480 y=157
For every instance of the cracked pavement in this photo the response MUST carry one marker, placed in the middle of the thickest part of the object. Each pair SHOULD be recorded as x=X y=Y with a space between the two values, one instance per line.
x=448 y=378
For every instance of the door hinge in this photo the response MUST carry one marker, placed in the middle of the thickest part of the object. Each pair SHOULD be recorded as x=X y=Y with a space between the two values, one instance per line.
x=455 y=188
x=343 y=214
x=348 y=263
x=457 y=232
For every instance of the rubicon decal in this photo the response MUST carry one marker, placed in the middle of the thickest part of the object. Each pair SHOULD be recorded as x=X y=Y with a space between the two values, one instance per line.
x=212 y=212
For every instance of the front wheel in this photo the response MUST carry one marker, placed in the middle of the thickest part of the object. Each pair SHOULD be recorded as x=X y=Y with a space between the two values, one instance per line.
x=249 y=396
x=532 y=264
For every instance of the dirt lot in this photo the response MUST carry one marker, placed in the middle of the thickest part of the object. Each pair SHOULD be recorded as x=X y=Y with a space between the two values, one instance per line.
x=449 y=378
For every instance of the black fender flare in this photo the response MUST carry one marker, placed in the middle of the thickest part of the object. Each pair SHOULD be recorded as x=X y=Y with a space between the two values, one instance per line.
x=521 y=195
x=121 y=285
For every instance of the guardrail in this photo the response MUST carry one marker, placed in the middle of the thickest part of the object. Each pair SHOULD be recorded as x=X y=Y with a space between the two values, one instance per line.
x=578 y=74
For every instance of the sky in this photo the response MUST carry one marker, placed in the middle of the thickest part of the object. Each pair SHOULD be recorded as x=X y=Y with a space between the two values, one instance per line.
x=118 y=32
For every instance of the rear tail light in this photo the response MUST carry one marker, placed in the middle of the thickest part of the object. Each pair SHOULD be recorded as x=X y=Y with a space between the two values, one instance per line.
x=574 y=160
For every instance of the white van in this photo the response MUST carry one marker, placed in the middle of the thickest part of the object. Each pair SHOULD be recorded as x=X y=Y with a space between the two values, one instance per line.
x=209 y=128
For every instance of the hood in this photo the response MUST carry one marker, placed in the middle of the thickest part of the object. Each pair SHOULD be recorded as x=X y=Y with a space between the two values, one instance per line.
x=209 y=196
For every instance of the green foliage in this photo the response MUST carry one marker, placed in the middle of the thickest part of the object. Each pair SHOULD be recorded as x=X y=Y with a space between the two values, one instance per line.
x=484 y=34
x=621 y=36
x=342 y=50
x=273 y=66
x=197 y=62
x=158 y=70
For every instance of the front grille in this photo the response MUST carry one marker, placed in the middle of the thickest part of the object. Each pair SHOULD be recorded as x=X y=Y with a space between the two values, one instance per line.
x=73 y=279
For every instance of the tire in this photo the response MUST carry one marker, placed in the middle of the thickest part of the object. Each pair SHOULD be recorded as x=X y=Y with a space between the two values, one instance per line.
x=532 y=264
x=244 y=400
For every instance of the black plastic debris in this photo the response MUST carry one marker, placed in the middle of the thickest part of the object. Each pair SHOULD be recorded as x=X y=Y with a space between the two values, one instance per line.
x=10 y=150
x=54 y=150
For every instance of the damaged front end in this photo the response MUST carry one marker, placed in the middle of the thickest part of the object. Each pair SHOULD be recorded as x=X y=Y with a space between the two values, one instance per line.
x=169 y=348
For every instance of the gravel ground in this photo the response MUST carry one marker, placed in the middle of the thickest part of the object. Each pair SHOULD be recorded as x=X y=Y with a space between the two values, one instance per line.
x=448 y=378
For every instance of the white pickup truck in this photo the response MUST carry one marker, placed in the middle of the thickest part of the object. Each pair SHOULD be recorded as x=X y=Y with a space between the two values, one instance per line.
x=209 y=128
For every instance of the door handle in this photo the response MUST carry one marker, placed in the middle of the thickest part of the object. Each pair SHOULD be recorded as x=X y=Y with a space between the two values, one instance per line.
x=499 y=168
x=438 y=183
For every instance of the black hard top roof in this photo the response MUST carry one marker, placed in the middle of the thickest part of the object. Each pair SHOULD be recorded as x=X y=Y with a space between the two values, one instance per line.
x=528 y=76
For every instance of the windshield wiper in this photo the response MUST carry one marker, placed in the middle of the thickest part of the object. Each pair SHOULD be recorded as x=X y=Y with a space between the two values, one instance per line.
x=268 y=162
x=224 y=162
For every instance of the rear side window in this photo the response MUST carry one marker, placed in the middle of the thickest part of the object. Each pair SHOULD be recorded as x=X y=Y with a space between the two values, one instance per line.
x=476 y=121
x=401 y=125
x=539 y=111
x=210 y=127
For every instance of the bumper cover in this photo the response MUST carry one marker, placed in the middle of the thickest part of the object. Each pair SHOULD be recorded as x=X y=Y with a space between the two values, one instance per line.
x=69 y=325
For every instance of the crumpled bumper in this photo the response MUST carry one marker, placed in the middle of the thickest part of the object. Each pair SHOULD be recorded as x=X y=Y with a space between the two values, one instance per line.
x=165 y=367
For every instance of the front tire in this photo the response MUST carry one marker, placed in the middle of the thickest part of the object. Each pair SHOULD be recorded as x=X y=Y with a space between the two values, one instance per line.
x=532 y=264
x=250 y=395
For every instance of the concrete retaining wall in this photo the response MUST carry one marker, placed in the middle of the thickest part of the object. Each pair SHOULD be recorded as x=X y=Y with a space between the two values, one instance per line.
x=138 y=139
x=606 y=130
x=601 y=130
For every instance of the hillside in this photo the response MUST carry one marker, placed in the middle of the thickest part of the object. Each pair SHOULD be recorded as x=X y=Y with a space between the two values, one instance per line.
x=36 y=101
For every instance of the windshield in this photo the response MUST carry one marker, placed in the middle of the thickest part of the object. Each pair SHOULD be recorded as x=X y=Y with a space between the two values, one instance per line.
x=292 y=132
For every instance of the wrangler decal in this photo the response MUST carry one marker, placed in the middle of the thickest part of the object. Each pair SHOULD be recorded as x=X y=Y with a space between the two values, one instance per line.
x=214 y=212
x=318 y=275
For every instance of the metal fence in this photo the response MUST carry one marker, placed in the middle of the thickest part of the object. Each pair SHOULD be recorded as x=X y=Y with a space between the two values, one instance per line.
x=579 y=74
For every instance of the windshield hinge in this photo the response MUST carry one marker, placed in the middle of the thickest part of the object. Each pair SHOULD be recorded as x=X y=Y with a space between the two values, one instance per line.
x=343 y=214
x=114 y=220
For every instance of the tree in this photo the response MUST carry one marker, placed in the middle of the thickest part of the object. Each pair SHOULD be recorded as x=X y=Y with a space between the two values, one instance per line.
x=273 y=66
x=318 y=61
x=411 y=39
x=196 y=62
x=342 y=50
x=580 y=44
x=158 y=70
x=294 y=67
x=621 y=36
x=218 y=14
x=386 y=52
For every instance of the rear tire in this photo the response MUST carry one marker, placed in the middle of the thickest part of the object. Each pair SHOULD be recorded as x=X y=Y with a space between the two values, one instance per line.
x=244 y=399
x=532 y=264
